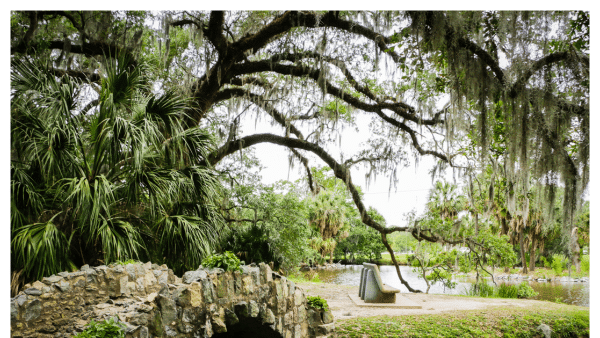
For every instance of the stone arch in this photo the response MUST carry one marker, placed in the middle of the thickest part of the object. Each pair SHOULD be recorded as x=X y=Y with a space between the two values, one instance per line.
x=250 y=328
x=151 y=301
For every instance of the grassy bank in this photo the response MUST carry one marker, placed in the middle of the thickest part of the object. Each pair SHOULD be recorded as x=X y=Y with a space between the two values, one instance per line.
x=402 y=259
x=564 y=321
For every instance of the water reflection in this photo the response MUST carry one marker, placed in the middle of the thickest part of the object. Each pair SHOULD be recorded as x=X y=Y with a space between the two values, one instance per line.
x=570 y=293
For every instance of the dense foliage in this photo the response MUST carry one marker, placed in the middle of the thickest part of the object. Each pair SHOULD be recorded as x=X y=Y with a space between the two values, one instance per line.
x=118 y=156
x=109 y=180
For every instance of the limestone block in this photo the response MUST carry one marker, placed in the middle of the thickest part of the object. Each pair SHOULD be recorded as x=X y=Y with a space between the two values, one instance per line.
x=268 y=317
x=170 y=332
x=314 y=318
x=167 y=308
x=33 y=310
x=222 y=286
x=21 y=299
x=14 y=310
x=218 y=325
x=52 y=279
x=327 y=317
x=193 y=276
x=297 y=331
x=33 y=292
x=266 y=275
x=325 y=329
x=237 y=282
x=207 y=288
x=63 y=286
x=195 y=294
x=247 y=285
x=131 y=289
x=301 y=313
x=298 y=298
x=231 y=318
x=288 y=318
x=79 y=282
x=254 y=310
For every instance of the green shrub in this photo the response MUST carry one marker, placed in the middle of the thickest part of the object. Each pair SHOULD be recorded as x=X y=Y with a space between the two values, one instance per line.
x=525 y=291
x=507 y=291
x=104 y=329
x=585 y=263
x=481 y=289
x=317 y=302
x=559 y=263
x=546 y=262
x=226 y=261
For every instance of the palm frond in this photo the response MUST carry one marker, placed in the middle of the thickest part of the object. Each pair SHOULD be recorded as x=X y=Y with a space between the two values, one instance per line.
x=40 y=249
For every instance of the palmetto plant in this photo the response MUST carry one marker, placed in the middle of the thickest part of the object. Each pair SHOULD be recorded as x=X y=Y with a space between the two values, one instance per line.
x=108 y=176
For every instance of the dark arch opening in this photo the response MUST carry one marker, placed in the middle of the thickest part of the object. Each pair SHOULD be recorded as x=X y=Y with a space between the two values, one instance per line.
x=249 y=327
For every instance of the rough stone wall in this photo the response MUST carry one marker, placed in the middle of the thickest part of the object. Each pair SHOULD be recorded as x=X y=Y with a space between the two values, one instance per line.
x=153 y=302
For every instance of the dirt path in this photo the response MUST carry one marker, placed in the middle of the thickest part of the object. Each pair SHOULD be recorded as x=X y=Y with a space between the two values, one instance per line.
x=342 y=306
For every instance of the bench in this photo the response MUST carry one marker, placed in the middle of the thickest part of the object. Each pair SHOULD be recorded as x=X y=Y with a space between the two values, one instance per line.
x=372 y=289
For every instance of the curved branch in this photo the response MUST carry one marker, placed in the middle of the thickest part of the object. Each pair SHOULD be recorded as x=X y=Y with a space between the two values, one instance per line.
x=292 y=19
x=340 y=171
x=539 y=64
x=401 y=109
x=312 y=186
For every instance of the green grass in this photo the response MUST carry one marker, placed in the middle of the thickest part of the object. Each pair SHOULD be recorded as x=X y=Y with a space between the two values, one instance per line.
x=402 y=259
x=565 y=321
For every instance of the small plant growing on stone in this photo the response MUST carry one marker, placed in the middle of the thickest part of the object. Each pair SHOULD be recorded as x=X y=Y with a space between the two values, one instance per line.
x=317 y=302
x=104 y=329
x=129 y=261
x=227 y=261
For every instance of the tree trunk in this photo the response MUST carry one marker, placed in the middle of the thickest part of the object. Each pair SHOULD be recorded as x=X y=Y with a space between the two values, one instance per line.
x=532 y=253
x=522 y=246
x=574 y=248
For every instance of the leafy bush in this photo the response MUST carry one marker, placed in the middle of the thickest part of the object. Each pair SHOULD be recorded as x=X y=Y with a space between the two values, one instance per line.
x=546 y=262
x=104 y=329
x=317 y=302
x=559 y=263
x=226 y=261
x=507 y=291
x=481 y=289
x=585 y=263
x=525 y=291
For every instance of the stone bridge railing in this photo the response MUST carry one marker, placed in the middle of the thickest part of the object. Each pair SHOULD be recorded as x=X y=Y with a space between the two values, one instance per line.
x=153 y=302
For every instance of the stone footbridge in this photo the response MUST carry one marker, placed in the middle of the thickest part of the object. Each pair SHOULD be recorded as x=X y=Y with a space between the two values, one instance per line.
x=153 y=302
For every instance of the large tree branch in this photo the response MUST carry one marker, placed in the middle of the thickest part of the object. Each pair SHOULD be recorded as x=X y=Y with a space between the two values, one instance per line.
x=33 y=24
x=400 y=108
x=292 y=19
x=539 y=64
x=214 y=33
x=87 y=49
x=86 y=76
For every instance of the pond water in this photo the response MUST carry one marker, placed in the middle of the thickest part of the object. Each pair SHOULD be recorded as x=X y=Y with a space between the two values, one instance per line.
x=570 y=293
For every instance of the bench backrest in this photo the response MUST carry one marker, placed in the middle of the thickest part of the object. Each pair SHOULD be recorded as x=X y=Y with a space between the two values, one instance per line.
x=376 y=273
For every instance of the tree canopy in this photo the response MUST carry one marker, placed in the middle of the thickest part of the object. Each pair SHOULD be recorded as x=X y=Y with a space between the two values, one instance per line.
x=476 y=90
